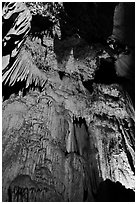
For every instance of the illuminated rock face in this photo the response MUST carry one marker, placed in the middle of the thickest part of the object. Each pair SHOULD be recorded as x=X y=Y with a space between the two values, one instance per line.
x=71 y=139
x=60 y=147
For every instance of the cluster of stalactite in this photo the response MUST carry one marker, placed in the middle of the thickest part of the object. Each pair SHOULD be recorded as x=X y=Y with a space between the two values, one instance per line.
x=69 y=135
x=78 y=139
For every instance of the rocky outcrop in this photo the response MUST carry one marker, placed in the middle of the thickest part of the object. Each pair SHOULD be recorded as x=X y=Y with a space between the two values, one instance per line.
x=68 y=135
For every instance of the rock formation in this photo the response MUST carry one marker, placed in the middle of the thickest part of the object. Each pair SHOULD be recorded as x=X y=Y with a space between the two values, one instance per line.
x=68 y=128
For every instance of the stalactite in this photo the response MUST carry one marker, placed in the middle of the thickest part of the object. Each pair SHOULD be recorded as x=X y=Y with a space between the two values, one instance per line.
x=78 y=137
x=60 y=145
x=71 y=141
x=81 y=134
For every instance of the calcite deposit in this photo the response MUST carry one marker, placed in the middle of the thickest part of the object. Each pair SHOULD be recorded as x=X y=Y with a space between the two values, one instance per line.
x=62 y=141
x=67 y=144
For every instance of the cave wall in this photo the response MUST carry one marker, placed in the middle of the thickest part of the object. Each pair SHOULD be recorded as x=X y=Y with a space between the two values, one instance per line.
x=69 y=136
x=60 y=147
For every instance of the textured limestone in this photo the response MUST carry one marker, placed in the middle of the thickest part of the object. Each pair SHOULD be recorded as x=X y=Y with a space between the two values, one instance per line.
x=38 y=130
x=61 y=143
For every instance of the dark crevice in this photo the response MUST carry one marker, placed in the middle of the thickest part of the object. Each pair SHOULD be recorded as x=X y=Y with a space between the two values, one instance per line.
x=39 y=25
x=109 y=191
x=106 y=73
x=7 y=90
x=88 y=85
x=79 y=121
x=89 y=19
x=85 y=196
x=7 y=23
x=61 y=74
